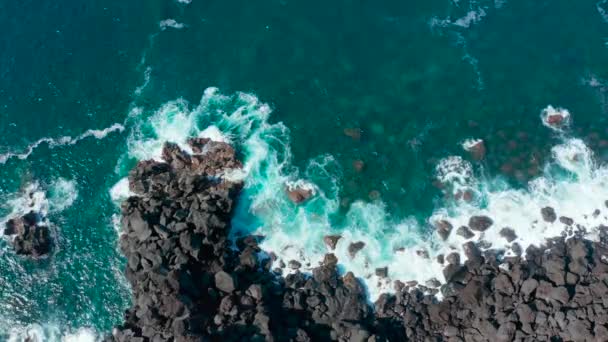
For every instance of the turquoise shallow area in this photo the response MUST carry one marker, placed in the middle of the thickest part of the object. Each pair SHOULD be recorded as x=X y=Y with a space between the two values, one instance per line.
x=416 y=77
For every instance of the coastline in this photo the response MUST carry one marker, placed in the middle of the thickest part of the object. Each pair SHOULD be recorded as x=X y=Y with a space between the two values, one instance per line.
x=189 y=284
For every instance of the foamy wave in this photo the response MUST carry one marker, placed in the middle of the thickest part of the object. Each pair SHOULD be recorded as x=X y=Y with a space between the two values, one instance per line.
x=62 y=141
x=600 y=6
x=472 y=17
x=170 y=23
x=185 y=2
x=120 y=191
x=50 y=333
x=147 y=75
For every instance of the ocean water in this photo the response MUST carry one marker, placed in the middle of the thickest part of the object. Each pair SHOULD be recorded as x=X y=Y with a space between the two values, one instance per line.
x=369 y=104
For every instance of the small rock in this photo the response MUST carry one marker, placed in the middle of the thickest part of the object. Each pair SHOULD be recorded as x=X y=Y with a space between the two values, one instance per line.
x=465 y=232
x=294 y=264
x=472 y=252
x=331 y=241
x=548 y=214
x=382 y=272
x=354 y=248
x=422 y=253
x=555 y=119
x=453 y=259
x=298 y=195
x=443 y=228
x=566 y=220
x=330 y=259
x=433 y=283
x=480 y=223
x=225 y=282
x=508 y=234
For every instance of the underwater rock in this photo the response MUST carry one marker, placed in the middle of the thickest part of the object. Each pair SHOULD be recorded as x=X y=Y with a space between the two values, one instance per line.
x=353 y=132
x=476 y=148
x=358 y=165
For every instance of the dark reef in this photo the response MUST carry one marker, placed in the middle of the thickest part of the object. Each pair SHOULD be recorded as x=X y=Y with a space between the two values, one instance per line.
x=190 y=285
x=30 y=235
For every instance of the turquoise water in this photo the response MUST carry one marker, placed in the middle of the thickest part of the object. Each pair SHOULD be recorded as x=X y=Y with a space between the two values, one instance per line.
x=416 y=78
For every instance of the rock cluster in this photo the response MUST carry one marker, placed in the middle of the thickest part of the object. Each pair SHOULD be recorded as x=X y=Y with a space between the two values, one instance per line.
x=29 y=235
x=189 y=284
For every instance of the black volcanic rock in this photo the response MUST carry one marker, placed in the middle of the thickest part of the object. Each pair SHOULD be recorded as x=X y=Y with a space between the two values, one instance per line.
x=548 y=214
x=29 y=235
x=480 y=223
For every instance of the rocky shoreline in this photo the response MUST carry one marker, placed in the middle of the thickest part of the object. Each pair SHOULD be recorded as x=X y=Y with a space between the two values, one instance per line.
x=191 y=284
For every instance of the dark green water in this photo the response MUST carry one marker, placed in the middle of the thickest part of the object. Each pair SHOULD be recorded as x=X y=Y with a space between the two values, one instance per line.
x=417 y=78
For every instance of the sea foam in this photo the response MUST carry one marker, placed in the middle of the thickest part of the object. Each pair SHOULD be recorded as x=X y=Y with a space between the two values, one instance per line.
x=62 y=141
x=50 y=333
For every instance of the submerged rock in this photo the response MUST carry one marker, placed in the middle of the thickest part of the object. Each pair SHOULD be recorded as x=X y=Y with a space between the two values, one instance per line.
x=353 y=132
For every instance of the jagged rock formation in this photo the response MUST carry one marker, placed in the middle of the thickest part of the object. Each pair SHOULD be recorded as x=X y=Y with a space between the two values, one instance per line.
x=30 y=236
x=189 y=285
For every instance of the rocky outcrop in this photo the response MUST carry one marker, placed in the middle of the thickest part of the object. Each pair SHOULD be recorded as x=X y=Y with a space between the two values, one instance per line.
x=190 y=285
x=30 y=235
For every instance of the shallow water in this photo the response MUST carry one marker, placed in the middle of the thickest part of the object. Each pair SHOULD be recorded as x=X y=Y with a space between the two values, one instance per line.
x=87 y=89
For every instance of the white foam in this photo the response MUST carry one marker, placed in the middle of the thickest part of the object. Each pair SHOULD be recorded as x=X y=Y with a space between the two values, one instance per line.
x=170 y=23
x=62 y=141
x=62 y=194
x=550 y=111
x=601 y=10
x=472 y=17
x=185 y=2
x=147 y=76
x=50 y=333
x=214 y=133
x=120 y=191
x=468 y=144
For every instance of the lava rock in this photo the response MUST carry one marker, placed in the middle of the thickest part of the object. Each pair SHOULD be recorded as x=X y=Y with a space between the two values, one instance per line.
x=480 y=223
x=548 y=214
